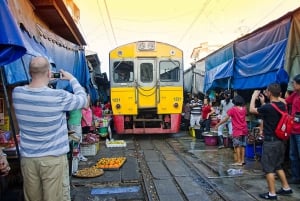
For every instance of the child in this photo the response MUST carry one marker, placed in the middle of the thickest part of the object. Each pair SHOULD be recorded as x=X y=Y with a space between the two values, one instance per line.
x=239 y=128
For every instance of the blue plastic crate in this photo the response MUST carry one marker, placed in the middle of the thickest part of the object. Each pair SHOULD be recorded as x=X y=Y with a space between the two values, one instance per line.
x=249 y=152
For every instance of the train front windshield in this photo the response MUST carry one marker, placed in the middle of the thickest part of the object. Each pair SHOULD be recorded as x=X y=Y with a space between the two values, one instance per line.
x=123 y=71
x=169 y=71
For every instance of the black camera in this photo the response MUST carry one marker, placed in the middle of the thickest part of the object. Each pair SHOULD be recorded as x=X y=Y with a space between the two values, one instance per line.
x=56 y=75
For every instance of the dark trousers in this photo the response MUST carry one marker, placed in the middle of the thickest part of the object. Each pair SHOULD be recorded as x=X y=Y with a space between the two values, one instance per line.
x=186 y=124
x=205 y=125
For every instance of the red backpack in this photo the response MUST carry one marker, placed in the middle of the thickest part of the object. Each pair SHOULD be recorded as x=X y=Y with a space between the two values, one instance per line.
x=284 y=127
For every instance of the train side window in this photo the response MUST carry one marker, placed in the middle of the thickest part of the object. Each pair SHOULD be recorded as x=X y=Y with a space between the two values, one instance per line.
x=169 y=71
x=123 y=71
x=146 y=72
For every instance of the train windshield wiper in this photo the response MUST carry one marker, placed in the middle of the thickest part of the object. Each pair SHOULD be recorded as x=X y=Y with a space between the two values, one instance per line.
x=174 y=62
x=115 y=68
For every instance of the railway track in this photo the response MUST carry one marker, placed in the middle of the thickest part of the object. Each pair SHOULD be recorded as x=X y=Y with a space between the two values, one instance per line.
x=171 y=168
x=164 y=152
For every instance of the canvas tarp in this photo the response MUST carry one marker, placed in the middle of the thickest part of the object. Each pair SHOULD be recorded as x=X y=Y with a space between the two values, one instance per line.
x=219 y=68
x=17 y=71
x=259 y=58
x=292 y=64
x=11 y=44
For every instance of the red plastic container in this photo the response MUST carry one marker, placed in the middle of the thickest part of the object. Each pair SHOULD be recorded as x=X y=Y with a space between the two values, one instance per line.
x=211 y=140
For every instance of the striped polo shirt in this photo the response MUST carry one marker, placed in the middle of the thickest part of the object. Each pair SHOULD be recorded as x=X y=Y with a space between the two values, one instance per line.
x=41 y=116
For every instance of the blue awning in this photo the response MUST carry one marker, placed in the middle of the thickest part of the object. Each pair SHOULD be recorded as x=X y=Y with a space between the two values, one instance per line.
x=18 y=71
x=11 y=44
x=259 y=58
x=219 y=68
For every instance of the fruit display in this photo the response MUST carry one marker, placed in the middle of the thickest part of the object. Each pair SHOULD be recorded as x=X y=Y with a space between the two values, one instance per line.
x=89 y=172
x=116 y=143
x=110 y=163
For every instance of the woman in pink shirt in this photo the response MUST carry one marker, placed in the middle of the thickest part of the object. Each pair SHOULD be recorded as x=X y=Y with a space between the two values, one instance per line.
x=239 y=128
x=87 y=118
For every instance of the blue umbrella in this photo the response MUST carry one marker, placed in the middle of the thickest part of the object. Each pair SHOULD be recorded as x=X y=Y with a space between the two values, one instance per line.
x=11 y=43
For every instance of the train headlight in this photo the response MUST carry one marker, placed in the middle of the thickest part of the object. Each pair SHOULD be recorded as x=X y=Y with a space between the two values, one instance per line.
x=176 y=105
x=118 y=106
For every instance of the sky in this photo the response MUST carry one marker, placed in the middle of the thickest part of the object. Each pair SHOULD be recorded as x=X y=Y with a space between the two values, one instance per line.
x=186 y=24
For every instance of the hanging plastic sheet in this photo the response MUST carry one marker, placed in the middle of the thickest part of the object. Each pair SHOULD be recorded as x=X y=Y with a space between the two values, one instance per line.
x=18 y=71
x=292 y=61
x=260 y=56
x=11 y=44
x=219 y=68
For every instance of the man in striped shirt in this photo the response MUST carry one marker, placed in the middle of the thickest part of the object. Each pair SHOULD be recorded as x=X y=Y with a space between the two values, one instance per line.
x=41 y=116
x=195 y=105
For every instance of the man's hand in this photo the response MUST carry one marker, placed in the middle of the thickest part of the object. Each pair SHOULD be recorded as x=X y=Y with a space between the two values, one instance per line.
x=66 y=75
x=4 y=166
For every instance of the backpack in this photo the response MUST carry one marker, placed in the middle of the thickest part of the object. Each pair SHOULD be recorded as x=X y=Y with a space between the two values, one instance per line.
x=284 y=127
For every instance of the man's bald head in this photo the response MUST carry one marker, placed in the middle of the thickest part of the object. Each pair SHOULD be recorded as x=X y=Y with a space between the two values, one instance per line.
x=39 y=66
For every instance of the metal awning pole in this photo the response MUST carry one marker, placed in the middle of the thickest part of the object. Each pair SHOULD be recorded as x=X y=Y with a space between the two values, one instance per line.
x=12 y=127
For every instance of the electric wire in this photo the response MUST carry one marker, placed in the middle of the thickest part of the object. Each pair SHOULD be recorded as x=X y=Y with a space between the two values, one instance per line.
x=102 y=18
x=110 y=23
x=266 y=16
x=193 y=22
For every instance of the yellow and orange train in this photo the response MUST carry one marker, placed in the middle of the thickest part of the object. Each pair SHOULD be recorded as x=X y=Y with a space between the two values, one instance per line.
x=146 y=87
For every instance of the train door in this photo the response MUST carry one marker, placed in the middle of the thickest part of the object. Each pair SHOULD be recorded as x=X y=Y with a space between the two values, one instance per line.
x=146 y=83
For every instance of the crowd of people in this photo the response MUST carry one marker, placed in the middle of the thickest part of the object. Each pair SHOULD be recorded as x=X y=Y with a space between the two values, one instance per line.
x=233 y=113
x=43 y=127
x=82 y=121
x=45 y=116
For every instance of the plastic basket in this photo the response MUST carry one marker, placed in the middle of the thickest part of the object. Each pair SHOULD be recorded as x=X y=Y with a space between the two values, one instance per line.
x=211 y=140
x=89 y=149
x=250 y=153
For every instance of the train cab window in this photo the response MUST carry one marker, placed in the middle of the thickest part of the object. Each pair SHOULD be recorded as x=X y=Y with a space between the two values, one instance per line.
x=169 y=71
x=146 y=72
x=123 y=71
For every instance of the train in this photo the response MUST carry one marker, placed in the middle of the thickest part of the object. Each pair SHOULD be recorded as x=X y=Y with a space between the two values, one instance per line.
x=146 y=92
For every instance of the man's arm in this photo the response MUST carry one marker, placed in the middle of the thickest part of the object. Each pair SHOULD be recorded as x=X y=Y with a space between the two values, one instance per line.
x=252 y=107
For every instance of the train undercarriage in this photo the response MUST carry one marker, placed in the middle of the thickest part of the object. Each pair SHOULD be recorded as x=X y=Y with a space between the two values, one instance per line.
x=147 y=121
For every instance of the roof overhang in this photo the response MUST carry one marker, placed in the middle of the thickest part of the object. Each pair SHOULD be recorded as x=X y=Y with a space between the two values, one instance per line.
x=56 y=15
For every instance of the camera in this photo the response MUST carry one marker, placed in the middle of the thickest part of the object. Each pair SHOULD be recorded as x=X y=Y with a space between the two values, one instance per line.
x=56 y=75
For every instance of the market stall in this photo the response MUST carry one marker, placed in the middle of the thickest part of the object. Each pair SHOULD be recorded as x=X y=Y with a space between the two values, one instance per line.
x=11 y=48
